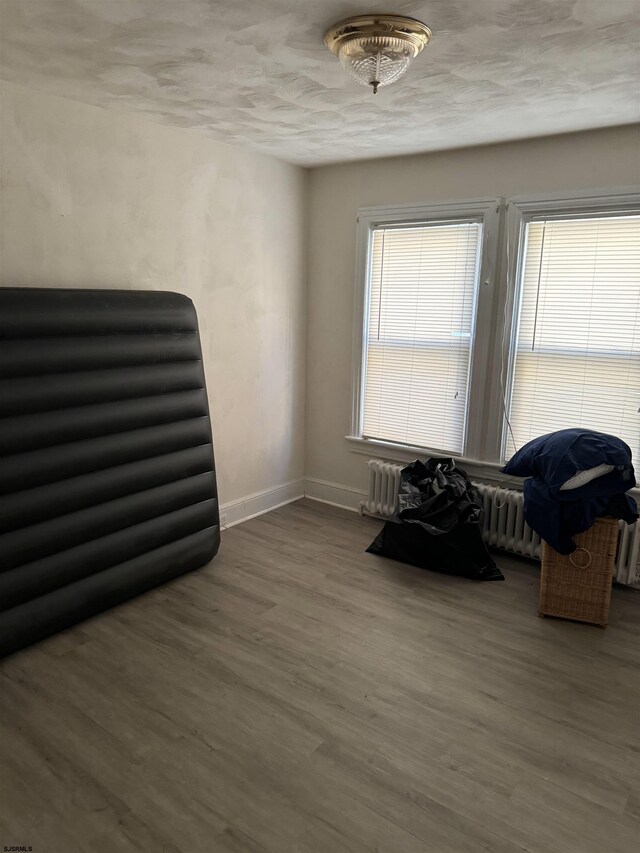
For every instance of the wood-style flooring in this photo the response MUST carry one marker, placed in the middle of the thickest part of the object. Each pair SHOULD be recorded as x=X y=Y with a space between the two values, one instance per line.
x=298 y=695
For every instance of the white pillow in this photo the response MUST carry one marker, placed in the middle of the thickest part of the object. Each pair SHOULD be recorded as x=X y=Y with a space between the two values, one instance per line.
x=581 y=478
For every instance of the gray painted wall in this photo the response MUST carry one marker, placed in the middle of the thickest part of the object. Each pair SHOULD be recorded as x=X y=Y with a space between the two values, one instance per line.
x=91 y=198
x=602 y=158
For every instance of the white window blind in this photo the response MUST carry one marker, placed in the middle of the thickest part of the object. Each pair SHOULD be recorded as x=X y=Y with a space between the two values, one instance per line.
x=418 y=335
x=577 y=357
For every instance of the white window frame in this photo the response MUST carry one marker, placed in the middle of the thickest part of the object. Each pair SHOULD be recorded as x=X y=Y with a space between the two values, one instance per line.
x=519 y=212
x=484 y=210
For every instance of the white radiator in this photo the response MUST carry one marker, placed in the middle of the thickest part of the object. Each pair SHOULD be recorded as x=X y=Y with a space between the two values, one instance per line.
x=504 y=526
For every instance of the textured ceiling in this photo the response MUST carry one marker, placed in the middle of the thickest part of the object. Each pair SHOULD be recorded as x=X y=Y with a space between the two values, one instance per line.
x=256 y=71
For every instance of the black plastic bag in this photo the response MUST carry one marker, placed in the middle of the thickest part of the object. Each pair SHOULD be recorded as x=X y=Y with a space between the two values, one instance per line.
x=437 y=525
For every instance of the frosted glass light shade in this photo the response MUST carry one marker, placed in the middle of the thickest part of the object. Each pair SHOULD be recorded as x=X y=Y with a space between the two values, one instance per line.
x=375 y=60
x=376 y=49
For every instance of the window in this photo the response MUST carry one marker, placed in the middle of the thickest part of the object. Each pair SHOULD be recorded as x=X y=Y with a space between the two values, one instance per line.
x=469 y=348
x=418 y=335
x=577 y=347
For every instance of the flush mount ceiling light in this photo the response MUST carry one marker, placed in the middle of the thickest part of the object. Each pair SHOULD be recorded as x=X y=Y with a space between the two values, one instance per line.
x=376 y=49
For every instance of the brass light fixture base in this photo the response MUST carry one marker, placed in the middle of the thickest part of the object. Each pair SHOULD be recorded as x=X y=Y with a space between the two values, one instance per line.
x=413 y=32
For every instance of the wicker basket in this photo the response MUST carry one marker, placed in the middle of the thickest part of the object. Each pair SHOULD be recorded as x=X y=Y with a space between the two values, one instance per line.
x=578 y=586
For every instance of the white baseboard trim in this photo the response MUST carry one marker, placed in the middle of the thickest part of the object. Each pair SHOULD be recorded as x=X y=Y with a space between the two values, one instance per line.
x=323 y=491
x=235 y=512
x=334 y=494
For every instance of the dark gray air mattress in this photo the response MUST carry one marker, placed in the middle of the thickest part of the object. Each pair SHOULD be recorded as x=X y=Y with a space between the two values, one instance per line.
x=107 y=480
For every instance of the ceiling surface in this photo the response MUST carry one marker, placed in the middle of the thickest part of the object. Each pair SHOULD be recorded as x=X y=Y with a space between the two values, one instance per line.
x=256 y=72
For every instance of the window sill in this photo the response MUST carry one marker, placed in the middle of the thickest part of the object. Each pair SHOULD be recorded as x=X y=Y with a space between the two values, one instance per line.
x=488 y=472
x=478 y=470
